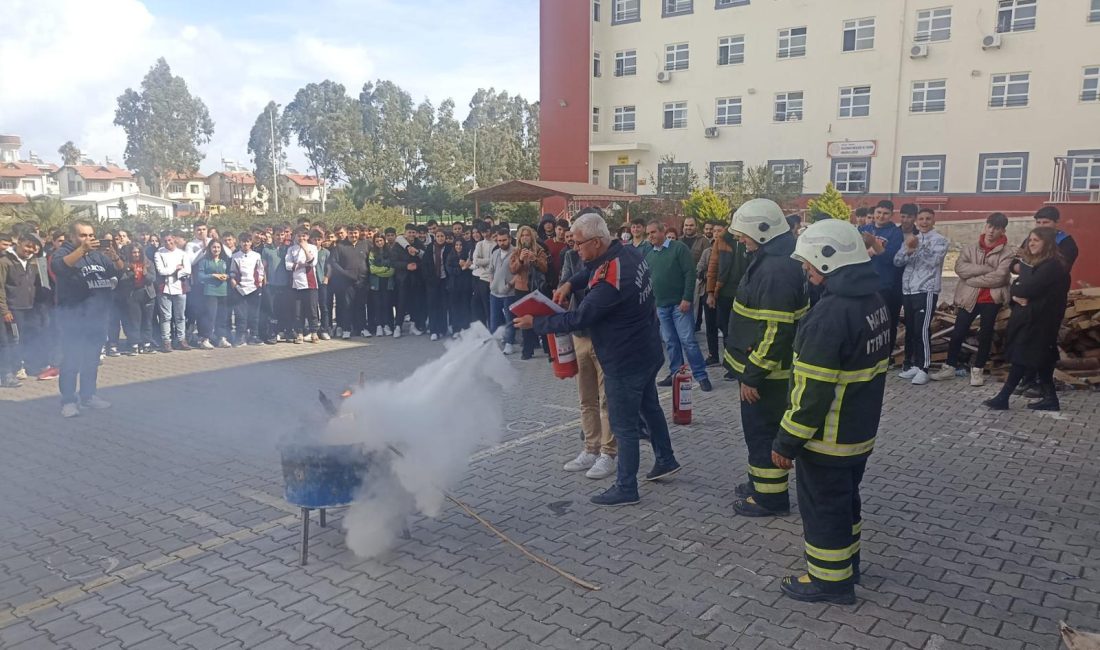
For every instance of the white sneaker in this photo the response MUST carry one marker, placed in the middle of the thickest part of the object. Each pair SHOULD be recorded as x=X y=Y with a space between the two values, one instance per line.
x=387 y=330
x=582 y=462
x=223 y=343
x=909 y=374
x=509 y=348
x=70 y=410
x=605 y=466
x=325 y=336
x=921 y=378
x=379 y=332
x=313 y=338
x=96 y=402
x=434 y=337
x=977 y=377
x=22 y=374
x=945 y=373
x=345 y=335
x=206 y=344
x=340 y=333
x=397 y=333
x=364 y=333
x=414 y=331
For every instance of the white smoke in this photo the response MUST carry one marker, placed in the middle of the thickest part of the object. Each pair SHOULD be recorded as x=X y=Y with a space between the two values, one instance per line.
x=436 y=418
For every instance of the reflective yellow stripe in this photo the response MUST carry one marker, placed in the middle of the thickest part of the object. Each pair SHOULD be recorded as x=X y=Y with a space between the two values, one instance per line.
x=779 y=374
x=734 y=363
x=857 y=527
x=770 y=488
x=832 y=419
x=829 y=575
x=765 y=346
x=816 y=372
x=769 y=314
x=787 y=423
x=839 y=376
x=837 y=449
x=832 y=555
x=768 y=472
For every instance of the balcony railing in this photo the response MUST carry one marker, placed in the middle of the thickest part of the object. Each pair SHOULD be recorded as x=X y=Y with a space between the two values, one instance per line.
x=1076 y=179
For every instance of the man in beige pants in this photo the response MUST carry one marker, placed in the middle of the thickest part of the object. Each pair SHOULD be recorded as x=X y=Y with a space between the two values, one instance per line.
x=598 y=455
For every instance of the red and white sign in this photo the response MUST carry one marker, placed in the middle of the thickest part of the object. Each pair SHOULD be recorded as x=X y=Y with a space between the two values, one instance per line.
x=853 y=149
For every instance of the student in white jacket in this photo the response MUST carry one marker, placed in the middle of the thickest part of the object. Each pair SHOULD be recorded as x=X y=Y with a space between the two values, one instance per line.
x=922 y=256
x=483 y=253
x=173 y=273
x=246 y=278
x=301 y=261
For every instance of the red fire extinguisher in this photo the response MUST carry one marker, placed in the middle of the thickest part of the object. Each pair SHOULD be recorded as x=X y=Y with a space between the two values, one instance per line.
x=562 y=356
x=681 y=396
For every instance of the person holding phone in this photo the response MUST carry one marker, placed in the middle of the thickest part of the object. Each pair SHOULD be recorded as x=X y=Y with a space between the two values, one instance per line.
x=301 y=261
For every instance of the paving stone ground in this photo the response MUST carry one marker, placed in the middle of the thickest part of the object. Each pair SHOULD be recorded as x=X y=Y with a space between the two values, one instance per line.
x=159 y=524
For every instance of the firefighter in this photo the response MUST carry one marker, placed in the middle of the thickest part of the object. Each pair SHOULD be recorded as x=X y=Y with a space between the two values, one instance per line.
x=841 y=355
x=771 y=299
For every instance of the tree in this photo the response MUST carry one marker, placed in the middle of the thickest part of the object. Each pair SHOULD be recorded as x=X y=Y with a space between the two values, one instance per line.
x=764 y=183
x=165 y=126
x=70 y=155
x=829 y=204
x=706 y=206
x=679 y=180
x=47 y=211
x=261 y=145
x=123 y=209
x=327 y=125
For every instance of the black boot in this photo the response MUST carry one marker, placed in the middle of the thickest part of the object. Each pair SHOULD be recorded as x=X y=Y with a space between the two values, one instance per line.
x=750 y=508
x=809 y=591
x=997 y=403
x=743 y=490
x=1049 y=401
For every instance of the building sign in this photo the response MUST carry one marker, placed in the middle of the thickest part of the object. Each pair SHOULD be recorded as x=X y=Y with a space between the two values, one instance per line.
x=853 y=149
x=623 y=160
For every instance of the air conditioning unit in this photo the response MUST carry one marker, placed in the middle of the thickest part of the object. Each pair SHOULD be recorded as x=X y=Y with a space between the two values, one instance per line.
x=991 y=42
x=664 y=76
x=918 y=51
x=710 y=132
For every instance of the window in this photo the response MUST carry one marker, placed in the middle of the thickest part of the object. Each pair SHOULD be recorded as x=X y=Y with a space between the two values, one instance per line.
x=1094 y=11
x=596 y=10
x=624 y=119
x=595 y=177
x=194 y=188
x=933 y=25
x=731 y=50
x=788 y=172
x=595 y=119
x=855 y=101
x=28 y=186
x=929 y=96
x=676 y=115
x=792 y=43
x=7 y=185
x=852 y=175
x=676 y=56
x=1010 y=90
x=672 y=178
x=725 y=4
x=1085 y=170
x=676 y=7
x=623 y=178
x=626 y=63
x=1002 y=172
x=596 y=64
x=626 y=11
x=788 y=106
x=725 y=175
x=922 y=174
x=1090 y=89
x=118 y=188
x=728 y=111
x=859 y=34
x=173 y=188
x=1016 y=15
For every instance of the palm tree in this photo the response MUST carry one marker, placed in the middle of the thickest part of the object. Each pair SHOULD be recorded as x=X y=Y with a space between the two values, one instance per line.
x=48 y=211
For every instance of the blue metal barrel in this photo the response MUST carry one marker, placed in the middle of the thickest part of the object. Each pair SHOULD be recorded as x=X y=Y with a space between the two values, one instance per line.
x=323 y=476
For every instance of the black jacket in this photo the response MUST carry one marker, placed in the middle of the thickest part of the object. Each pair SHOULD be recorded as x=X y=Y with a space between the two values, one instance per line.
x=428 y=267
x=89 y=284
x=348 y=263
x=839 y=373
x=771 y=299
x=18 y=286
x=1033 y=328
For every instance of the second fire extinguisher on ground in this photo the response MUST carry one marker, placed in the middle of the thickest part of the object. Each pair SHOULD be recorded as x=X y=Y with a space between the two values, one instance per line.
x=681 y=397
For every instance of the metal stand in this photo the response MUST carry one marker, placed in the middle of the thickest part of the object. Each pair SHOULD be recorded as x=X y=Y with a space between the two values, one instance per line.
x=305 y=532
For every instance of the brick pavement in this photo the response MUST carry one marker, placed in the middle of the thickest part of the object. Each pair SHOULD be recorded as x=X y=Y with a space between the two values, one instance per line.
x=159 y=524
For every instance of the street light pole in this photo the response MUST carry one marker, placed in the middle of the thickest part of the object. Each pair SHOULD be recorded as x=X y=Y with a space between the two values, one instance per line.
x=274 y=168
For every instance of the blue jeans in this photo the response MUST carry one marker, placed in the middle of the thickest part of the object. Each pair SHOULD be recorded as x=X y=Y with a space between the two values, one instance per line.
x=678 y=332
x=172 y=310
x=500 y=315
x=629 y=396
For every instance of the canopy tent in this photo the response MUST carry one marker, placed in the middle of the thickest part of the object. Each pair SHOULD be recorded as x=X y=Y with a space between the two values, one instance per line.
x=568 y=193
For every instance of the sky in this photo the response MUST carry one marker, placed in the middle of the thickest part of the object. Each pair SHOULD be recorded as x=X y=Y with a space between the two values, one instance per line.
x=65 y=62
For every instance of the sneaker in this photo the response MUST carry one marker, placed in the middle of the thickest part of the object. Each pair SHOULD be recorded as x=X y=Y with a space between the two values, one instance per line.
x=346 y=335
x=184 y=345
x=205 y=344
x=365 y=333
x=414 y=330
x=313 y=338
x=49 y=373
x=325 y=336
x=243 y=343
x=705 y=386
x=387 y=331
x=977 y=377
x=605 y=466
x=340 y=333
x=166 y=347
x=945 y=373
x=113 y=351
x=274 y=341
x=223 y=343
x=70 y=410
x=9 y=381
x=148 y=348
x=616 y=496
x=378 y=331
x=667 y=381
x=583 y=461
x=95 y=402
x=509 y=348
x=397 y=333
x=279 y=338
x=920 y=378
x=662 y=471
x=434 y=337
x=909 y=374
x=22 y=374
x=132 y=351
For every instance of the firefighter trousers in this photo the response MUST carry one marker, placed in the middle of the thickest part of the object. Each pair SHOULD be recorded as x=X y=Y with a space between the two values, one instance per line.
x=828 y=500
x=760 y=422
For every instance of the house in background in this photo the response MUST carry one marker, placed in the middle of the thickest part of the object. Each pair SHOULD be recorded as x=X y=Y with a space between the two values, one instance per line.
x=308 y=190
x=75 y=180
x=22 y=180
x=189 y=191
x=108 y=207
x=236 y=189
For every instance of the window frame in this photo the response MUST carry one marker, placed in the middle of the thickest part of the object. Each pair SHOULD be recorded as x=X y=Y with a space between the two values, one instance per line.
x=595 y=119
x=1094 y=12
x=666 y=13
x=683 y=167
x=668 y=124
x=835 y=166
x=1007 y=82
x=595 y=11
x=9 y=184
x=729 y=46
x=854 y=25
x=621 y=58
x=625 y=17
x=786 y=163
x=791 y=52
x=924 y=100
x=674 y=50
x=786 y=110
x=852 y=105
x=597 y=65
x=931 y=30
x=611 y=175
x=1086 y=77
x=1093 y=165
x=28 y=185
x=984 y=158
x=730 y=101
x=905 y=160
x=1011 y=8
x=729 y=4
x=595 y=176
x=739 y=165
x=618 y=118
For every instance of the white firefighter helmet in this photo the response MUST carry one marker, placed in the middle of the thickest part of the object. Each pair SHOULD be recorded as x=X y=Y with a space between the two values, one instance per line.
x=761 y=220
x=831 y=244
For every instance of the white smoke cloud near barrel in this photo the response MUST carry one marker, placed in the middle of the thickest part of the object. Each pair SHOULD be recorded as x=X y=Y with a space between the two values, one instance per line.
x=437 y=418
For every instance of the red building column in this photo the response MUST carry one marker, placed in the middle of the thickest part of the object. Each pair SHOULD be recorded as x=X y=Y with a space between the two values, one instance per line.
x=564 y=104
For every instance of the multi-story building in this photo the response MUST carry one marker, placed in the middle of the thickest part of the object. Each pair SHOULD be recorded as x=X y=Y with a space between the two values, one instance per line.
x=188 y=191
x=22 y=180
x=95 y=179
x=308 y=190
x=236 y=189
x=964 y=105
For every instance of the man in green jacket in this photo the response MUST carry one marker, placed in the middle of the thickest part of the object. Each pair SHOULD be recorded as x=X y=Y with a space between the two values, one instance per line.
x=672 y=272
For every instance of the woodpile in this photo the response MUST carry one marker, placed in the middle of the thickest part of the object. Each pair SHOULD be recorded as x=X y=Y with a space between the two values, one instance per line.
x=1078 y=340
